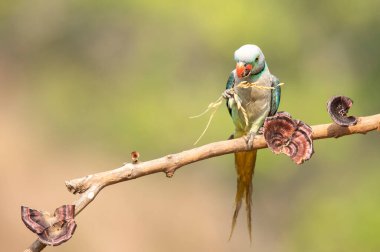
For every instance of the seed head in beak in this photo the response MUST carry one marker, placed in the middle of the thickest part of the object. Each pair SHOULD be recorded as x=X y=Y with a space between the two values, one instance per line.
x=243 y=69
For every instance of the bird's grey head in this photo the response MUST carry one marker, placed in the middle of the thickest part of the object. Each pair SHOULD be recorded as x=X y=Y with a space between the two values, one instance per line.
x=250 y=60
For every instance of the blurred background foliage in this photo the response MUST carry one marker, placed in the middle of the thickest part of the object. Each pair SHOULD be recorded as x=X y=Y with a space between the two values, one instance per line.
x=83 y=83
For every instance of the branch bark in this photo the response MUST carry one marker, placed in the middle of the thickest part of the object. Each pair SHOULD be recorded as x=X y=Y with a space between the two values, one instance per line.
x=90 y=185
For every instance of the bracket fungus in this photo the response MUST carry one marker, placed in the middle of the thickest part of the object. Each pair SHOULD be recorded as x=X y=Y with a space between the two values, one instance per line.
x=338 y=107
x=51 y=229
x=284 y=134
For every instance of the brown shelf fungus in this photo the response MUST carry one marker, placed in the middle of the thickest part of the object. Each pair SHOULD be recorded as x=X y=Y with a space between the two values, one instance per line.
x=284 y=134
x=338 y=107
x=51 y=229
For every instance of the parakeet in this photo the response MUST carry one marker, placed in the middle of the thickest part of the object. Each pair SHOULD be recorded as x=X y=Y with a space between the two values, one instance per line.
x=258 y=103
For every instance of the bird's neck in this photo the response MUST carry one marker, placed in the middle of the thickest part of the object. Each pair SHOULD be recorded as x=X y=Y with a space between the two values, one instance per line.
x=259 y=69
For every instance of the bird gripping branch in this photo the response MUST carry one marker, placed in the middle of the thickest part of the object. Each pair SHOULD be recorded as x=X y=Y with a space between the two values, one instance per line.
x=248 y=107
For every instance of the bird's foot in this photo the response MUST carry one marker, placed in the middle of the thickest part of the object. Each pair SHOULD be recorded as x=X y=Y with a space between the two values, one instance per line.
x=260 y=131
x=232 y=136
x=227 y=94
x=249 y=139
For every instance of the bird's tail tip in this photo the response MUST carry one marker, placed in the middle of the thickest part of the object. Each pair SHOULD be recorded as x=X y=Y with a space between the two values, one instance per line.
x=245 y=164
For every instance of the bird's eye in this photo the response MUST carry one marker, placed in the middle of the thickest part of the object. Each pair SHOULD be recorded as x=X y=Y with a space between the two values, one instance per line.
x=257 y=59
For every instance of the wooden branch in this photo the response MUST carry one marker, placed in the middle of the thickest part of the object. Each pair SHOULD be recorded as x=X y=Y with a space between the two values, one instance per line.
x=90 y=185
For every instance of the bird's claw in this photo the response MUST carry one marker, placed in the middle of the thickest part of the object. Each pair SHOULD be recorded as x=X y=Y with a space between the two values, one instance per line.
x=249 y=139
x=227 y=94
x=260 y=131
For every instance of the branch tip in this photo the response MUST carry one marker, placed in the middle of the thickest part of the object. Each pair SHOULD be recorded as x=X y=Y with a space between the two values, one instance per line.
x=70 y=187
x=79 y=185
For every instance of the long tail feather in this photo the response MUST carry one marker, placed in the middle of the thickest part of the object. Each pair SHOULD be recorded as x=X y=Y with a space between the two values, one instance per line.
x=245 y=166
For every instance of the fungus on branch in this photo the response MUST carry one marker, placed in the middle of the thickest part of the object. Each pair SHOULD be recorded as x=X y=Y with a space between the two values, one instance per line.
x=338 y=107
x=292 y=137
x=54 y=229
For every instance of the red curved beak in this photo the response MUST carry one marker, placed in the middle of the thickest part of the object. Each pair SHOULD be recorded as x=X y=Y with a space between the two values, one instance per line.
x=242 y=70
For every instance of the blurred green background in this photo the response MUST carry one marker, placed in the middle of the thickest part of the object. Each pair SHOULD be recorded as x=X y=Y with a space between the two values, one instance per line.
x=83 y=83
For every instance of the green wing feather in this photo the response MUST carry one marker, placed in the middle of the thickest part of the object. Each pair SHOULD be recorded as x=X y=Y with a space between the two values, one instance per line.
x=276 y=95
x=230 y=83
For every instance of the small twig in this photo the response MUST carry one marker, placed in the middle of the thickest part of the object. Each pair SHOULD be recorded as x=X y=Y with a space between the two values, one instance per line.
x=89 y=186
